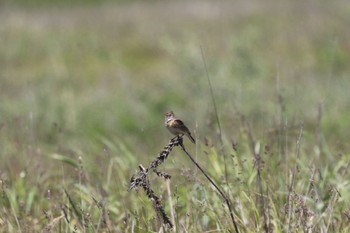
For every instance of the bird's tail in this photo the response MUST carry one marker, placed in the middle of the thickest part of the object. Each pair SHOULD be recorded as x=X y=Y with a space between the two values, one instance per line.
x=191 y=138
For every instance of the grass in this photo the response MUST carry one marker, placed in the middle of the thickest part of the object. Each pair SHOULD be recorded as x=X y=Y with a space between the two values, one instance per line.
x=84 y=90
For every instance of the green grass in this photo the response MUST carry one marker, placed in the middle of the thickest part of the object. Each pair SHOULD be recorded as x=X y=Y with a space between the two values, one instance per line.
x=83 y=90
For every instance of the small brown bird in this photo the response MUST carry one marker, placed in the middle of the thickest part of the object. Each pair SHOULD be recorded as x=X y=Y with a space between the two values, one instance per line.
x=176 y=126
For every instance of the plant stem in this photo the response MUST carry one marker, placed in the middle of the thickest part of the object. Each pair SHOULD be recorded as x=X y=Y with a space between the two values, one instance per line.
x=217 y=187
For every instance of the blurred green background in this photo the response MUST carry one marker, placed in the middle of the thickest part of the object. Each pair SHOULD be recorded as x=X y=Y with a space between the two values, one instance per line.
x=114 y=68
x=94 y=78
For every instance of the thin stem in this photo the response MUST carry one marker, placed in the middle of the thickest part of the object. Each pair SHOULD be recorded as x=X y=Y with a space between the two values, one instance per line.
x=291 y=185
x=212 y=96
x=213 y=183
x=216 y=112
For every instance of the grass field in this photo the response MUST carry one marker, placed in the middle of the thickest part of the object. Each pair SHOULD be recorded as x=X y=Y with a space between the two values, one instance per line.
x=84 y=88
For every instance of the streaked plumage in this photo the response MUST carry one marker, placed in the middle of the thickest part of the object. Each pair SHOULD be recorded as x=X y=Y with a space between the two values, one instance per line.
x=176 y=126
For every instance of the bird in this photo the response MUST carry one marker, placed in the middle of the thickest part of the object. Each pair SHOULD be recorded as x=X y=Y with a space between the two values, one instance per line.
x=176 y=126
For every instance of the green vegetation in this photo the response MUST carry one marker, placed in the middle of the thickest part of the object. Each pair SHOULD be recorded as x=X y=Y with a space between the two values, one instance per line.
x=83 y=91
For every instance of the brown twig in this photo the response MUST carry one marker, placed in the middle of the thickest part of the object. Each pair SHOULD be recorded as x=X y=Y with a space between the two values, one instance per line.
x=141 y=179
x=213 y=183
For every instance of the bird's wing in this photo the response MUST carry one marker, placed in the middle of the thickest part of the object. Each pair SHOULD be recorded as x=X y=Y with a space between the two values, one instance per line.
x=180 y=125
